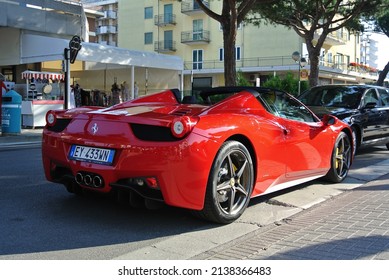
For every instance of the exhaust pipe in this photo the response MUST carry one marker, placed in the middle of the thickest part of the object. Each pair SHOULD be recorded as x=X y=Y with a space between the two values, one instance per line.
x=88 y=180
x=97 y=182
x=79 y=178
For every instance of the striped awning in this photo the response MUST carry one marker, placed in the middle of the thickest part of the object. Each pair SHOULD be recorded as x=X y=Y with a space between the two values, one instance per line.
x=42 y=75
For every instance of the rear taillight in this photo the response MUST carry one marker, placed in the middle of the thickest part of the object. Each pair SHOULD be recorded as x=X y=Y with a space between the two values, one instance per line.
x=182 y=126
x=51 y=118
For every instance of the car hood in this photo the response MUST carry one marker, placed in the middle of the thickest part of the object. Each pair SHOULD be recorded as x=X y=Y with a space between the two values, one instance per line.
x=340 y=113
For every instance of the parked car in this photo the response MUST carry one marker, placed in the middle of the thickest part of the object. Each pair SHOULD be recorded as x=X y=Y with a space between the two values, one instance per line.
x=364 y=107
x=210 y=155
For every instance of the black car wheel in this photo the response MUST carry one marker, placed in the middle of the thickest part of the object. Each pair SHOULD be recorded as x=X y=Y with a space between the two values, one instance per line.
x=341 y=159
x=230 y=184
x=356 y=139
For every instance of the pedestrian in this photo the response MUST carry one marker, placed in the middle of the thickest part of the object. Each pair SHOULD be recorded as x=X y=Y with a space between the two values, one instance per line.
x=116 y=99
x=77 y=96
x=72 y=100
x=136 y=89
x=125 y=91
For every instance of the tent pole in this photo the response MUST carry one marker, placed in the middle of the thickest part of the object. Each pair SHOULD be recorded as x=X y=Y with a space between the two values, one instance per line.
x=132 y=82
x=67 y=79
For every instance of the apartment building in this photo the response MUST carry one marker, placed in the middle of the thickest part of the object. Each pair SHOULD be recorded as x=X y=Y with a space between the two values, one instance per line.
x=181 y=28
x=105 y=26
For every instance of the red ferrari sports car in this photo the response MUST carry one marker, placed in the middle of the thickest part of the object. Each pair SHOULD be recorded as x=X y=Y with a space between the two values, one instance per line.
x=209 y=153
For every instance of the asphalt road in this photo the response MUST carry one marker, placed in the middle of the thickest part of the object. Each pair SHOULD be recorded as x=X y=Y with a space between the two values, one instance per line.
x=40 y=220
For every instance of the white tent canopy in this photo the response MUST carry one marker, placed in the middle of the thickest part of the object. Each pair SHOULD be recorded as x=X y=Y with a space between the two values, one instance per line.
x=37 y=48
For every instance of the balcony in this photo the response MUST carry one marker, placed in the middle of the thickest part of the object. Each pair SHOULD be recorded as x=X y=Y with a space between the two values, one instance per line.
x=190 y=7
x=195 y=37
x=165 y=20
x=335 y=38
x=107 y=29
x=165 y=46
x=110 y=14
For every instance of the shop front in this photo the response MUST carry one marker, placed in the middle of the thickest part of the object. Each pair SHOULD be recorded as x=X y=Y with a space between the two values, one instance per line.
x=43 y=91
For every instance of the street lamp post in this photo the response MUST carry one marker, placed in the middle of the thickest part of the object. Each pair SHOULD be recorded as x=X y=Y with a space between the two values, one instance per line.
x=301 y=62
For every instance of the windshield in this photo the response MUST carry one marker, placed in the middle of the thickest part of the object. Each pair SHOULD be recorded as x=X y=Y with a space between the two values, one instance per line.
x=342 y=96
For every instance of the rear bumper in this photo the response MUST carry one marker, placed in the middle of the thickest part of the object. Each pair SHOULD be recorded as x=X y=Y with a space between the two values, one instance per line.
x=181 y=168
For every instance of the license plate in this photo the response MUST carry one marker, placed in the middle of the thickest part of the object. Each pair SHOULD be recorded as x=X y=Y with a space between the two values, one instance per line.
x=92 y=154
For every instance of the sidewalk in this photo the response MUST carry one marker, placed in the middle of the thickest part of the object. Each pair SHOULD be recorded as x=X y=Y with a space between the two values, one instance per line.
x=27 y=136
x=352 y=226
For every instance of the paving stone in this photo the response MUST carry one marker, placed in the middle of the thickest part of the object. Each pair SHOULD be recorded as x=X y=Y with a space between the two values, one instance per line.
x=352 y=226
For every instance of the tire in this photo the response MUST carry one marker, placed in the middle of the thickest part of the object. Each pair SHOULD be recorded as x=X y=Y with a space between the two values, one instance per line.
x=230 y=184
x=356 y=139
x=340 y=159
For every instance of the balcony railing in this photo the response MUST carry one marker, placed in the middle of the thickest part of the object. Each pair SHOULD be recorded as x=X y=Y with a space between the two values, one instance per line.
x=165 y=19
x=193 y=37
x=108 y=29
x=191 y=7
x=284 y=63
x=110 y=14
x=165 y=46
x=334 y=38
x=248 y=62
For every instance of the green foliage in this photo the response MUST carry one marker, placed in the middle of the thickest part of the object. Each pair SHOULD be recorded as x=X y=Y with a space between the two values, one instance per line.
x=310 y=18
x=382 y=19
x=288 y=83
x=241 y=80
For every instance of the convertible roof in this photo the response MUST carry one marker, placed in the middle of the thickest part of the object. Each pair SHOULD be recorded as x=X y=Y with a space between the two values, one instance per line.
x=218 y=90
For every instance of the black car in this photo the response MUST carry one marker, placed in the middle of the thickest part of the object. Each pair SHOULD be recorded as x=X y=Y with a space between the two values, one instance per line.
x=364 y=107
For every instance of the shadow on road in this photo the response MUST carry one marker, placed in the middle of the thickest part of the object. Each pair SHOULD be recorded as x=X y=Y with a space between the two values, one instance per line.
x=60 y=221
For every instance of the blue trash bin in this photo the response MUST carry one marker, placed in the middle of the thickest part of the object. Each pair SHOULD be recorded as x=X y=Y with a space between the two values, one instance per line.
x=11 y=113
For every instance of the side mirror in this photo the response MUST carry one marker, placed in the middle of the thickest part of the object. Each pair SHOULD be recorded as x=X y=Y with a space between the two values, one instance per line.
x=328 y=120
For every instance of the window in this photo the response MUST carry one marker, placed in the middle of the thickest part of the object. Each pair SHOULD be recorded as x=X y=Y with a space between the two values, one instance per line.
x=197 y=29
x=221 y=54
x=197 y=59
x=237 y=54
x=329 y=57
x=370 y=97
x=168 y=13
x=148 y=38
x=168 y=40
x=148 y=12
x=384 y=94
x=280 y=104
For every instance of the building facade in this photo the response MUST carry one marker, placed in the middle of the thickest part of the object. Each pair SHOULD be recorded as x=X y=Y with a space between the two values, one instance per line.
x=183 y=29
x=106 y=26
x=37 y=34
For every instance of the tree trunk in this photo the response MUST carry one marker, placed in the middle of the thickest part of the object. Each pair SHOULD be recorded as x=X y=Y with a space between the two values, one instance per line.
x=314 y=54
x=314 y=70
x=229 y=57
x=229 y=25
x=383 y=75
